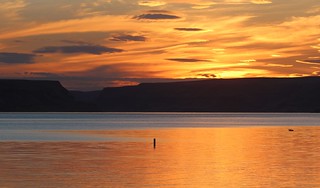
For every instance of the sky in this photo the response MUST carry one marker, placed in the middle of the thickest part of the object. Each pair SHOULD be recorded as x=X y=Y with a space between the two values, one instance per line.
x=92 y=44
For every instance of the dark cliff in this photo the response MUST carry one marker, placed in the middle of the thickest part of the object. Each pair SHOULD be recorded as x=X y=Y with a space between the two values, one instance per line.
x=218 y=95
x=29 y=95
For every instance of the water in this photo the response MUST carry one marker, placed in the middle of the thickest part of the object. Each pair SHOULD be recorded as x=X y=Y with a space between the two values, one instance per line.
x=193 y=150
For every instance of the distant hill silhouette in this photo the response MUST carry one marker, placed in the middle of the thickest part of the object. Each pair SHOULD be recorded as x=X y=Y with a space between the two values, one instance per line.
x=27 y=95
x=217 y=95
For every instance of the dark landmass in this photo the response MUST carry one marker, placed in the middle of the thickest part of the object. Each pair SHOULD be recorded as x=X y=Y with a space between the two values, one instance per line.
x=87 y=101
x=216 y=95
x=27 y=95
x=86 y=96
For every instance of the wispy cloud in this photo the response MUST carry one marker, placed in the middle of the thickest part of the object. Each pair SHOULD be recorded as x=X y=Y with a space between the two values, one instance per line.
x=188 y=29
x=309 y=61
x=207 y=75
x=16 y=58
x=128 y=38
x=151 y=3
x=244 y=1
x=160 y=16
x=90 y=49
x=278 y=65
x=10 y=9
x=42 y=74
x=75 y=42
x=248 y=60
x=187 y=60
x=261 y=1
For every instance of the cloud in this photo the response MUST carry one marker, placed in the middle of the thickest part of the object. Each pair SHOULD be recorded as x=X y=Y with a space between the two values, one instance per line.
x=75 y=42
x=18 y=41
x=90 y=49
x=309 y=61
x=186 y=60
x=42 y=74
x=16 y=58
x=187 y=29
x=10 y=8
x=261 y=1
x=208 y=75
x=313 y=61
x=316 y=73
x=239 y=2
x=159 y=11
x=248 y=61
x=159 y=16
x=128 y=38
x=278 y=65
x=314 y=10
x=151 y=3
x=104 y=7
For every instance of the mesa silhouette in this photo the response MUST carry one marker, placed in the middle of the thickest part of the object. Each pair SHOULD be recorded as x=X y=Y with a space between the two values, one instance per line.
x=216 y=95
x=27 y=95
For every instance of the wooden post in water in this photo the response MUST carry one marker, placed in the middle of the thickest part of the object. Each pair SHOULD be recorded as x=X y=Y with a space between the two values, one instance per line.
x=154 y=143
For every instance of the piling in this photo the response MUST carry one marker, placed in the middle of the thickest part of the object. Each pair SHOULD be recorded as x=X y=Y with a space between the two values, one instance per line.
x=154 y=143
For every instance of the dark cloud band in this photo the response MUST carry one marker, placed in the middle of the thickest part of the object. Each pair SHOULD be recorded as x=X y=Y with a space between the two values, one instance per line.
x=312 y=61
x=128 y=38
x=42 y=74
x=208 y=75
x=186 y=60
x=187 y=29
x=16 y=58
x=90 y=49
x=156 y=17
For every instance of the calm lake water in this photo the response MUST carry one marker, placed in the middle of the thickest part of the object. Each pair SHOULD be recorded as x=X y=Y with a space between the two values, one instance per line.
x=223 y=150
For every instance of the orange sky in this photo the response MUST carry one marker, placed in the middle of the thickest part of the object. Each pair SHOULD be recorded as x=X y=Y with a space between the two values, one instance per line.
x=91 y=44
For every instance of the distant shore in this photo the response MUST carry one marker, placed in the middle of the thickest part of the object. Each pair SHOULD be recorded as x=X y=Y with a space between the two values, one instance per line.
x=215 y=95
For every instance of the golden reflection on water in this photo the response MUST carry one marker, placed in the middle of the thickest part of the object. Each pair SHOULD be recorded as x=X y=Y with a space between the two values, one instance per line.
x=184 y=157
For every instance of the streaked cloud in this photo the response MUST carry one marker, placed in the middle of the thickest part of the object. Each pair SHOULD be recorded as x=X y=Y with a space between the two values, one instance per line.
x=187 y=60
x=75 y=42
x=128 y=38
x=187 y=29
x=314 y=10
x=16 y=58
x=156 y=16
x=207 y=75
x=10 y=9
x=151 y=3
x=203 y=5
x=246 y=1
x=309 y=61
x=248 y=60
x=90 y=49
x=42 y=74
x=261 y=1
x=278 y=65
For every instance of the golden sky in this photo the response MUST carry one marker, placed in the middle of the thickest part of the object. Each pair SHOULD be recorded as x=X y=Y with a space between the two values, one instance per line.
x=91 y=44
